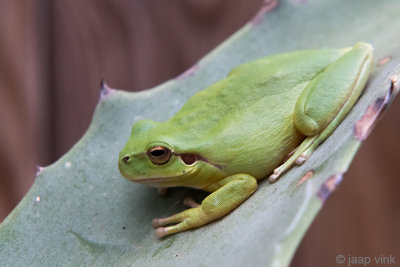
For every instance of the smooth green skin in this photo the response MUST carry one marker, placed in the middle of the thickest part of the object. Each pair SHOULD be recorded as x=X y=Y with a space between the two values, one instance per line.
x=241 y=128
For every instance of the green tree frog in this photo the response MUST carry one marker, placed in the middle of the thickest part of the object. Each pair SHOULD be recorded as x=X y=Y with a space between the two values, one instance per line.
x=242 y=128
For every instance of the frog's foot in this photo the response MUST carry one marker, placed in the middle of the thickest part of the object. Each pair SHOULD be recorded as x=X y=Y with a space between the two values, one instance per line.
x=226 y=195
x=187 y=219
x=162 y=191
x=188 y=201
x=298 y=157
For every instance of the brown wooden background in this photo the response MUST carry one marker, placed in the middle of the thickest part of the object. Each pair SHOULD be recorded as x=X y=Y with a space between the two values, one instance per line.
x=53 y=54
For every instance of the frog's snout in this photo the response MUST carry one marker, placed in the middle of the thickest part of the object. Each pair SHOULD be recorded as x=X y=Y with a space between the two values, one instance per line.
x=124 y=163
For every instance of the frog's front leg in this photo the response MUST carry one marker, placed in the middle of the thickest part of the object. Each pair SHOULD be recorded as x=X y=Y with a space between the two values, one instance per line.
x=326 y=101
x=226 y=195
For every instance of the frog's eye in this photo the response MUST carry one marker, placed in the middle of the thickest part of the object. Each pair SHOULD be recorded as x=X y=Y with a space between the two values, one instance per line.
x=159 y=154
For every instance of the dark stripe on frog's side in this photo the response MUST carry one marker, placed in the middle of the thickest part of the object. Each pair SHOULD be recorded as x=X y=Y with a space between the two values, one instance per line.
x=191 y=158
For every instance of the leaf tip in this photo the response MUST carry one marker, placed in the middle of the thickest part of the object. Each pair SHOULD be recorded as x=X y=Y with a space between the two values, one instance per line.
x=105 y=90
x=329 y=186
x=362 y=128
x=394 y=86
x=39 y=170
x=266 y=6
x=189 y=72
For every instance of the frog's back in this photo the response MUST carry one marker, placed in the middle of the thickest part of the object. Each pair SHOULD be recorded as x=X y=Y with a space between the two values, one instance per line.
x=252 y=106
x=248 y=83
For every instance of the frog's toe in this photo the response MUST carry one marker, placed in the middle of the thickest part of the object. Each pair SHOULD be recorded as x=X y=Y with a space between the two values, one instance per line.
x=157 y=222
x=274 y=177
x=161 y=232
x=177 y=218
x=301 y=159
x=188 y=201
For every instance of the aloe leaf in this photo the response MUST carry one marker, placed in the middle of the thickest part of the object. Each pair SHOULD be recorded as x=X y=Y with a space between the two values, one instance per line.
x=80 y=211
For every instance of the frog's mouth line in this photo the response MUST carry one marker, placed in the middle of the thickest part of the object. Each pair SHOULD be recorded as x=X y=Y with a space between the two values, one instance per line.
x=155 y=179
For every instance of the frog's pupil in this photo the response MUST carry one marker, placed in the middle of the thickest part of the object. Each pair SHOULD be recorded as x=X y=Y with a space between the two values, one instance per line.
x=157 y=153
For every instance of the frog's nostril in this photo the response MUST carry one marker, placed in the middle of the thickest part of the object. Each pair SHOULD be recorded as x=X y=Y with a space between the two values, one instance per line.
x=125 y=159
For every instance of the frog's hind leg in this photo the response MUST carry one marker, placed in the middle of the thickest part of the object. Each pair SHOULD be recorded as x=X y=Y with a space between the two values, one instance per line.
x=326 y=101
